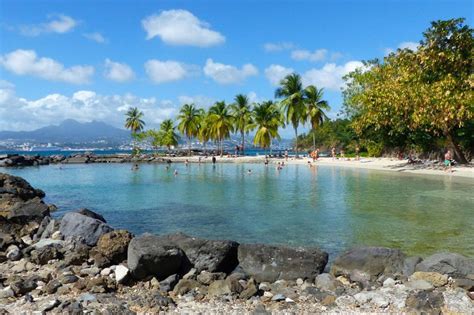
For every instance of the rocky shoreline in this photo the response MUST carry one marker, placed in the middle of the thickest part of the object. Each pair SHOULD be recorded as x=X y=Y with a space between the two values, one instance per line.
x=79 y=265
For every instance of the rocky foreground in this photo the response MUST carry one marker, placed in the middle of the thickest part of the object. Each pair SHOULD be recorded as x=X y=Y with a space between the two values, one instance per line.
x=79 y=264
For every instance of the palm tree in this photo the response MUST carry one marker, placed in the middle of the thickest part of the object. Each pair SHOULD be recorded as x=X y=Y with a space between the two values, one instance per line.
x=243 y=116
x=156 y=137
x=135 y=123
x=267 y=119
x=204 y=130
x=189 y=122
x=221 y=123
x=315 y=107
x=291 y=90
x=168 y=136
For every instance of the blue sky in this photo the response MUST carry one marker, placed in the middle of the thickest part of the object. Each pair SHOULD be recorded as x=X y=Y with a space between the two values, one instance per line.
x=93 y=59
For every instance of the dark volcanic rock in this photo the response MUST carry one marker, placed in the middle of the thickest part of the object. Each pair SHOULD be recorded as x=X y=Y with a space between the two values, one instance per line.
x=271 y=263
x=374 y=261
x=112 y=247
x=425 y=301
x=28 y=210
x=42 y=255
x=147 y=256
x=450 y=264
x=74 y=224
x=210 y=255
x=91 y=214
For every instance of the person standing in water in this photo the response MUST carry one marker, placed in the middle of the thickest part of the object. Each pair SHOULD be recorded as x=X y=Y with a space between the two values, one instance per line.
x=333 y=153
x=213 y=159
x=286 y=155
x=448 y=166
x=357 y=149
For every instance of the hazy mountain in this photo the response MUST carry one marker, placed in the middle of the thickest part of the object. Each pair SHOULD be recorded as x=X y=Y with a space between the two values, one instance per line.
x=69 y=131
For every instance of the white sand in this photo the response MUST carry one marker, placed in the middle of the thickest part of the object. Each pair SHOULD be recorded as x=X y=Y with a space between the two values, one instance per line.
x=384 y=164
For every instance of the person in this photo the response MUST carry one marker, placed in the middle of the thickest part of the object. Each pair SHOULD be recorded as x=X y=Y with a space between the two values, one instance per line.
x=333 y=153
x=199 y=160
x=282 y=164
x=186 y=162
x=286 y=155
x=317 y=153
x=266 y=161
x=237 y=150
x=213 y=159
x=135 y=167
x=249 y=171
x=175 y=172
x=167 y=167
x=357 y=149
x=448 y=166
x=342 y=154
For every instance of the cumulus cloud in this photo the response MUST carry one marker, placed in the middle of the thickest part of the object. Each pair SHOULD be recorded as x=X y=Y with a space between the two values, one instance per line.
x=228 y=74
x=18 y=113
x=167 y=71
x=275 y=73
x=317 y=55
x=330 y=75
x=181 y=27
x=59 y=24
x=119 y=72
x=26 y=62
x=96 y=37
x=198 y=100
x=280 y=46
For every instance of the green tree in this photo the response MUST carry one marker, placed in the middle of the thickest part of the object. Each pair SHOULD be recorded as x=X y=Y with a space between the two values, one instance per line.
x=315 y=107
x=204 y=133
x=291 y=90
x=155 y=137
x=221 y=123
x=267 y=119
x=135 y=123
x=189 y=119
x=242 y=113
x=168 y=136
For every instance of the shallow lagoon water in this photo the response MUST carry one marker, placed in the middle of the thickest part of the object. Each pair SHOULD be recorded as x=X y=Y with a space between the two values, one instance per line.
x=331 y=207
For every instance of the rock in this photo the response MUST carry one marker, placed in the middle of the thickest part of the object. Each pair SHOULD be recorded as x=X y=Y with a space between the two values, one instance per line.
x=6 y=292
x=218 y=288
x=436 y=279
x=210 y=255
x=457 y=302
x=409 y=265
x=22 y=286
x=5 y=240
x=374 y=261
x=327 y=282
x=345 y=301
x=250 y=290
x=471 y=295
x=50 y=229
x=48 y=304
x=113 y=246
x=419 y=285
x=148 y=257
x=57 y=236
x=42 y=255
x=105 y=272
x=121 y=273
x=278 y=297
x=169 y=283
x=186 y=285
x=47 y=242
x=190 y=274
x=27 y=240
x=74 y=224
x=68 y=278
x=328 y=300
x=425 y=301
x=28 y=210
x=270 y=263
x=13 y=253
x=299 y=281
x=389 y=282
x=466 y=284
x=453 y=265
x=360 y=277
x=52 y=286
x=207 y=278
x=91 y=214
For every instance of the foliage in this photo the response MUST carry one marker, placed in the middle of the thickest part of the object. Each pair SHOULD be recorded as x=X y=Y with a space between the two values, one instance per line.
x=134 y=120
x=267 y=120
x=242 y=113
x=221 y=123
x=189 y=122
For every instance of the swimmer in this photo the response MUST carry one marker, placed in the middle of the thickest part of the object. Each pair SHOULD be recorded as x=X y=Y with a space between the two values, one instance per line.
x=249 y=171
x=175 y=172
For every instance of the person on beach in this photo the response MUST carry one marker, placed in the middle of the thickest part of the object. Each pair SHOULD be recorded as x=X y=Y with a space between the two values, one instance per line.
x=266 y=161
x=237 y=148
x=333 y=153
x=286 y=155
x=199 y=160
x=448 y=157
x=342 y=154
x=357 y=149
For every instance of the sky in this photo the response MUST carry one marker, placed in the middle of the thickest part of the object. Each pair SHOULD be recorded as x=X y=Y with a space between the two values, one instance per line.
x=92 y=60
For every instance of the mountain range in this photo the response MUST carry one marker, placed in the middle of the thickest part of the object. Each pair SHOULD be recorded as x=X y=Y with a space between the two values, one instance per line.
x=69 y=131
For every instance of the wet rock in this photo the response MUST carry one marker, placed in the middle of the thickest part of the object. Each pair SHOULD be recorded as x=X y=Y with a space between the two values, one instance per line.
x=169 y=283
x=425 y=301
x=148 y=257
x=270 y=263
x=374 y=261
x=13 y=253
x=453 y=265
x=327 y=282
x=207 y=278
x=74 y=224
x=112 y=247
x=436 y=279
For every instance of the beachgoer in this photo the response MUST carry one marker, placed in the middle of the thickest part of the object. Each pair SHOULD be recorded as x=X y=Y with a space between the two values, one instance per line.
x=135 y=167
x=342 y=154
x=213 y=159
x=237 y=148
x=333 y=153
x=357 y=149
x=167 y=167
x=266 y=161
x=286 y=155
x=186 y=162
x=249 y=171
x=448 y=166
x=199 y=160
x=317 y=153
x=175 y=172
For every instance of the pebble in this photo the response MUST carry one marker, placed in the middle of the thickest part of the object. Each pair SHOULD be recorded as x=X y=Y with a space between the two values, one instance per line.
x=105 y=272
x=48 y=305
x=121 y=272
x=27 y=240
x=264 y=286
x=6 y=293
x=13 y=253
x=268 y=294
x=299 y=281
x=278 y=297
x=389 y=282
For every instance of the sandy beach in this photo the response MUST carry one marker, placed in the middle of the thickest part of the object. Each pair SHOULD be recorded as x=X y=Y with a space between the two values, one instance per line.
x=382 y=164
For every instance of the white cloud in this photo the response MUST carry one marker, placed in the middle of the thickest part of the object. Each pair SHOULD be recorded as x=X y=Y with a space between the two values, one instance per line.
x=198 y=100
x=59 y=24
x=330 y=75
x=166 y=71
x=275 y=73
x=26 y=62
x=274 y=47
x=228 y=74
x=18 y=113
x=410 y=45
x=96 y=37
x=119 y=72
x=317 y=55
x=181 y=27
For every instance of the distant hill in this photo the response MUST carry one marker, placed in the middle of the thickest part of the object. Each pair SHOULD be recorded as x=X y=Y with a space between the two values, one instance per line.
x=69 y=131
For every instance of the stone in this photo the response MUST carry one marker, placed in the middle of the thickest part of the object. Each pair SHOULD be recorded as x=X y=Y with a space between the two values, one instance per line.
x=186 y=285
x=299 y=281
x=169 y=283
x=6 y=292
x=218 y=288
x=419 y=285
x=121 y=273
x=105 y=272
x=374 y=261
x=326 y=282
x=22 y=286
x=28 y=210
x=48 y=304
x=206 y=277
x=425 y=301
x=42 y=255
x=13 y=253
x=190 y=274
x=409 y=265
x=436 y=279
x=57 y=236
x=453 y=265
x=113 y=246
x=270 y=263
x=68 y=278
x=458 y=302
x=47 y=242
x=148 y=257
x=51 y=228
x=5 y=240
x=345 y=301
x=250 y=290
x=52 y=286
x=389 y=282
x=74 y=224
x=278 y=297
x=466 y=284
x=27 y=240
x=91 y=214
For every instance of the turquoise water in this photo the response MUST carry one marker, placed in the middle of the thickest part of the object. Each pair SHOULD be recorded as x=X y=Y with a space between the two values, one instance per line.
x=330 y=207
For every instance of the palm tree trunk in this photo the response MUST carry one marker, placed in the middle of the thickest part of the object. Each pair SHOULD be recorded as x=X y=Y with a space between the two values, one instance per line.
x=314 y=140
x=189 y=146
x=271 y=143
x=296 y=142
x=221 y=146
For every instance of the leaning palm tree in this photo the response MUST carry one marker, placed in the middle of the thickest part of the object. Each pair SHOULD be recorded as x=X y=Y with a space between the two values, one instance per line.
x=135 y=123
x=168 y=135
x=242 y=117
x=315 y=107
x=292 y=94
x=189 y=118
x=221 y=123
x=267 y=119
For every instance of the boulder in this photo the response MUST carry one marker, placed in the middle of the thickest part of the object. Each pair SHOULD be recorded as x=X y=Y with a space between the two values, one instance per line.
x=425 y=301
x=436 y=279
x=453 y=265
x=147 y=256
x=410 y=264
x=112 y=247
x=271 y=263
x=327 y=282
x=373 y=261
x=42 y=255
x=74 y=224
x=210 y=255
x=186 y=285
x=28 y=210
x=91 y=214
